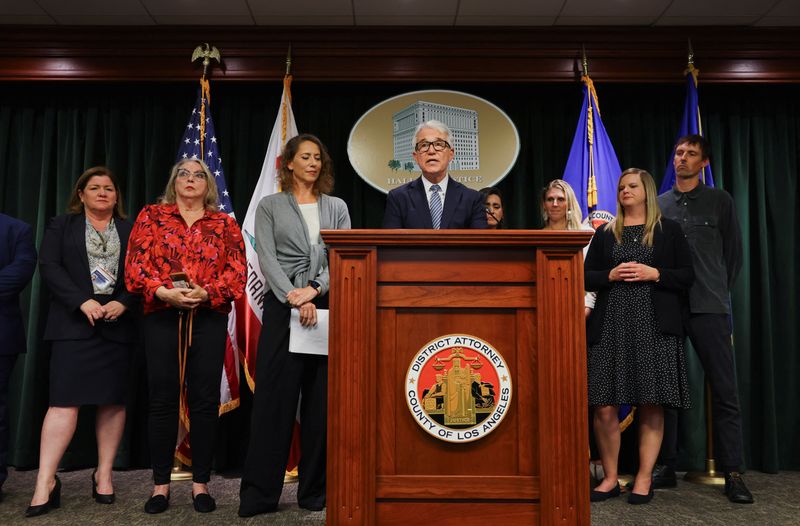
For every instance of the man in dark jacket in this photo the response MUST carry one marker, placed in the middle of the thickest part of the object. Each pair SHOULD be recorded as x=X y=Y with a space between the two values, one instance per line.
x=708 y=218
x=17 y=264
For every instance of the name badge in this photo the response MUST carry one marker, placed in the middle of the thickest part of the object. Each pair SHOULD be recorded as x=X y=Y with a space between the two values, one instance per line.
x=102 y=278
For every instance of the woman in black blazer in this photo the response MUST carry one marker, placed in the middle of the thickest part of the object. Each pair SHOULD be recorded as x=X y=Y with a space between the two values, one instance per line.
x=640 y=264
x=91 y=327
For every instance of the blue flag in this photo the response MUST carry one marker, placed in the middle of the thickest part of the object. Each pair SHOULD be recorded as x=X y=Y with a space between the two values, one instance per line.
x=592 y=171
x=592 y=168
x=690 y=125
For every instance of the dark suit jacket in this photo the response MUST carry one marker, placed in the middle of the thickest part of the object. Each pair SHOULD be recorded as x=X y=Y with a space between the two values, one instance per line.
x=673 y=259
x=64 y=266
x=407 y=207
x=17 y=265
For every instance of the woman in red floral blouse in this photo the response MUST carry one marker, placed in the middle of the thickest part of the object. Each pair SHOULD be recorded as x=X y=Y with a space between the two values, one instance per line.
x=187 y=260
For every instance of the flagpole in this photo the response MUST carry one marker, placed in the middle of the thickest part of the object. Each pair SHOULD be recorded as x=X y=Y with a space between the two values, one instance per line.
x=694 y=72
x=207 y=53
x=709 y=477
x=289 y=475
x=591 y=198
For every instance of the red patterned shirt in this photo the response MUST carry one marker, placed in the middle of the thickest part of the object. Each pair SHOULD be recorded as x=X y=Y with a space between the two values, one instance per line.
x=210 y=252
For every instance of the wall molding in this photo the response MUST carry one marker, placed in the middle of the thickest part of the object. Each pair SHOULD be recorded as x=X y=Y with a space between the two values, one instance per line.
x=400 y=54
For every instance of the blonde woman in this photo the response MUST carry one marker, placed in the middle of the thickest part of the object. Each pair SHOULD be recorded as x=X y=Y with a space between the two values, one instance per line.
x=561 y=211
x=560 y=208
x=640 y=264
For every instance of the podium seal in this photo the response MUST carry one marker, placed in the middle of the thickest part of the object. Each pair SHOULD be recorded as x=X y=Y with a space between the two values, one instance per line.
x=458 y=388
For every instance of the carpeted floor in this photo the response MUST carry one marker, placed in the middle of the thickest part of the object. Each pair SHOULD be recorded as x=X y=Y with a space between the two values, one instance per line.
x=132 y=489
x=777 y=503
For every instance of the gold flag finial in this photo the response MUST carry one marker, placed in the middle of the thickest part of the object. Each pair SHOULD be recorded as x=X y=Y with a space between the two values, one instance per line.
x=585 y=61
x=690 y=59
x=206 y=52
x=289 y=61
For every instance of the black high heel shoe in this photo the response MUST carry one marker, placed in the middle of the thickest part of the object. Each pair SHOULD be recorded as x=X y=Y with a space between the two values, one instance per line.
x=53 y=502
x=100 y=498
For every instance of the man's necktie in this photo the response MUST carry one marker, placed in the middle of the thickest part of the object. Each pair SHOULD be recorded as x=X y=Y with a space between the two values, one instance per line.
x=436 y=207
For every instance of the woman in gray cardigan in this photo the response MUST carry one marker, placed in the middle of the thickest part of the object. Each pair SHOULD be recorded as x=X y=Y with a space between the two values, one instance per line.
x=293 y=260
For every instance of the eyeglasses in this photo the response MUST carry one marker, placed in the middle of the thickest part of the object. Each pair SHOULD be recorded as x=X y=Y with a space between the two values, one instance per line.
x=438 y=145
x=183 y=174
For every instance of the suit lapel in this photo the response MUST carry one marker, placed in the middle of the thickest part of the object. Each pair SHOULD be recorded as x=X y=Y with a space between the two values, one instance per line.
x=123 y=231
x=78 y=231
x=420 y=202
x=451 y=200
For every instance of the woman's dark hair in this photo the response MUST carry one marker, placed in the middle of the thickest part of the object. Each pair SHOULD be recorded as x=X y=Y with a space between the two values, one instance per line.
x=75 y=205
x=324 y=184
x=491 y=190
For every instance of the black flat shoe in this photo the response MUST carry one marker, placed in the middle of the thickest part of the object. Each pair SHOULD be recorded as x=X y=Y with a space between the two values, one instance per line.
x=204 y=503
x=635 y=498
x=53 y=502
x=156 y=504
x=600 y=496
x=101 y=498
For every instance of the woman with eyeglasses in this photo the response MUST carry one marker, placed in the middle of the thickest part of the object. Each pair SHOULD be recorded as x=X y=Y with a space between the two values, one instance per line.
x=186 y=258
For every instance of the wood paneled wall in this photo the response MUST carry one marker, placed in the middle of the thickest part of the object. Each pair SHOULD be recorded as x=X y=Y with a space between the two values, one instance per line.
x=399 y=54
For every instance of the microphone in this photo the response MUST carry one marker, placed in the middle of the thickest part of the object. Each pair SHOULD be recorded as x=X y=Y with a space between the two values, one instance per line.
x=491 y=214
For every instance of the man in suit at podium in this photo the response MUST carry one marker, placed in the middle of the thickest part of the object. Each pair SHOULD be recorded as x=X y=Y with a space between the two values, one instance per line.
x=434 y=200
x=17 y=264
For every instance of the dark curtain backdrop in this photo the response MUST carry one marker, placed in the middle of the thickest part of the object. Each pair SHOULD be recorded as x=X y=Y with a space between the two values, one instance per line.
x=49 y=133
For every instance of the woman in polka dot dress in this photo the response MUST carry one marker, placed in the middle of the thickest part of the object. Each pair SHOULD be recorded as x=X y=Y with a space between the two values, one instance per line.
x=640 y=264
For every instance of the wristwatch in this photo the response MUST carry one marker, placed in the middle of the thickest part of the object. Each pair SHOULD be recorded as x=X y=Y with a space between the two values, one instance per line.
x=315 y=285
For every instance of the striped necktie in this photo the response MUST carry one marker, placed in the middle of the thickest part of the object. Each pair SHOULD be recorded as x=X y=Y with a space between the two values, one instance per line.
x=436 y=207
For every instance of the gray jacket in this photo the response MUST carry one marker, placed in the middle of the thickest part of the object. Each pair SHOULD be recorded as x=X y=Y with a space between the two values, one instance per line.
x=287 y=258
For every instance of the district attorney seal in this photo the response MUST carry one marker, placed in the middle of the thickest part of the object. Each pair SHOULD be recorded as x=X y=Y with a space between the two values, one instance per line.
x=458 y=388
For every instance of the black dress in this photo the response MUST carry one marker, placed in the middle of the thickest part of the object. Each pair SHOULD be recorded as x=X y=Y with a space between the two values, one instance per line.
x=633 y=362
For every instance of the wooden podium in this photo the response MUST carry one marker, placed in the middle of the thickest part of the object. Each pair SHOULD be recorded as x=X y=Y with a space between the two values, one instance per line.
x=392 y=291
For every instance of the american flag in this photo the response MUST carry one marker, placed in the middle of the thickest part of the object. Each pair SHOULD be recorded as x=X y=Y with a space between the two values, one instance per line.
x=194 y=147
x=200 y=142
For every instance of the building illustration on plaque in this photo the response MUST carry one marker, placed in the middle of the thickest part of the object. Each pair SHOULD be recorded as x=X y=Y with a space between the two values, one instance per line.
x=458 y=394
x=463 y=122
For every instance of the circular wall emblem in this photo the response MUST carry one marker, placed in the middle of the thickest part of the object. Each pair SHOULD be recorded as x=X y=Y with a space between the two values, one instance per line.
x=458 y=388
x=485 y=140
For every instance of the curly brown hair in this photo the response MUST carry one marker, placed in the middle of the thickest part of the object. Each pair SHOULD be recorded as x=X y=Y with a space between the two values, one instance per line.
x=324 y=184
x=75 y=205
